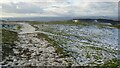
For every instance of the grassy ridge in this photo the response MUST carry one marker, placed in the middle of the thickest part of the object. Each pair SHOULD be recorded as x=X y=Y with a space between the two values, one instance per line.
x=117 y=26
x=59 y=50
x=100 y=25
x=113 y=63
x=8 y=36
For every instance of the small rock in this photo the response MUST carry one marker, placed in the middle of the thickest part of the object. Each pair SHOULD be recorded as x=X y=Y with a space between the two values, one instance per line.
x=59 y=61
x=40 y=51
x=46 y=55
x=16 y=63
x=15 y=60
x=23 y=56
x=28 y=53
x=27 y=64
x=33 y=54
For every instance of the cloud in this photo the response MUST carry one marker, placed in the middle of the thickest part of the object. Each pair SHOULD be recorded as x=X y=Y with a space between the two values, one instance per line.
x=21 y=8
x=59 y=8
x=16 y=1
x=97 y=9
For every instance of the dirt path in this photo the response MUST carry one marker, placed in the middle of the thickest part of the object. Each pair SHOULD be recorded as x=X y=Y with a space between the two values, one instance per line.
x=26 y=28
x=33 y=51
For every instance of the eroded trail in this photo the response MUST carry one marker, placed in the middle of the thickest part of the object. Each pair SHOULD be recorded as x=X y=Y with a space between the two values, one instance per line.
x=33 y=51
x=26 y=28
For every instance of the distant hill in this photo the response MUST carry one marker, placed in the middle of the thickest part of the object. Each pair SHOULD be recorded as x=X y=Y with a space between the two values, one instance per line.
x=113 y=22
x=48 y=19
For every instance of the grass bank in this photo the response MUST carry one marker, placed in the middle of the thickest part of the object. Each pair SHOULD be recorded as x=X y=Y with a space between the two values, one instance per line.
x=9 y=36
x=113 y=63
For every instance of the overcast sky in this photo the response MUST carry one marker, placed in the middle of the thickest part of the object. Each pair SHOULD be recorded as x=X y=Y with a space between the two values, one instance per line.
x=58 y=8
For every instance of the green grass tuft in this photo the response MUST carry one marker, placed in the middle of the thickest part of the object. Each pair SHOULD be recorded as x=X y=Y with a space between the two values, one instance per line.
x=113 y=63
x=9 y=36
